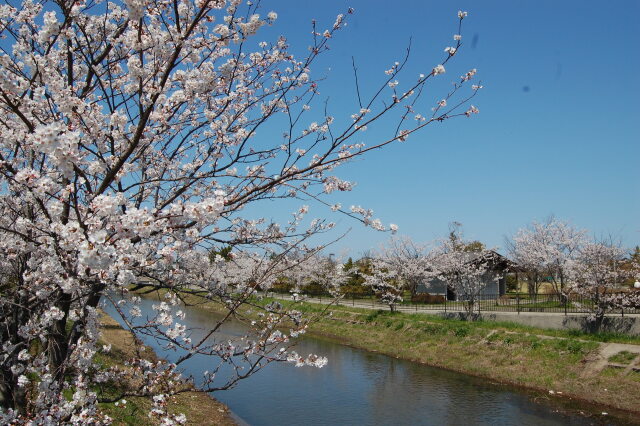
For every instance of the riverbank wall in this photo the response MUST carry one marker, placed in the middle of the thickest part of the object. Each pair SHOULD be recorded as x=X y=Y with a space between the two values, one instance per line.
x=629 y=325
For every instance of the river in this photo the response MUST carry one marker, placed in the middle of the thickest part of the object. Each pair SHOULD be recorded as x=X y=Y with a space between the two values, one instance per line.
x=358 y=387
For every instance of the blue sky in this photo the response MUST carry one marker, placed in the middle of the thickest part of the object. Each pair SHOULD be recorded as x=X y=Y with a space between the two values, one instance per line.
x=558 y=129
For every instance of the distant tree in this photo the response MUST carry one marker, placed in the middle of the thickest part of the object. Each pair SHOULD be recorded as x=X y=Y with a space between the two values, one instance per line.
x=457 y=241
x=348 y=264
x=224 y=252
x=384 y=282
x=299 y=271
x=632 y=265
x=355 y=272
x=327 y=275
x=407 y=259
x=528 y=266
x=399 y=264
x=511 y=283
x=596 y=274
x=466 y=272
x=474 y=246
x=548 y=250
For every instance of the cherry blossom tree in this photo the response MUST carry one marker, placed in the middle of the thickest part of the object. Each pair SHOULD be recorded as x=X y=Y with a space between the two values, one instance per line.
x=550 y=249
x=132 y=138
x=385 y=282
x=313 y=273
x=466 y=271
x=529 y=265
x=596 y=274
x=408 y=259
x=329 y=274
x=398 y=265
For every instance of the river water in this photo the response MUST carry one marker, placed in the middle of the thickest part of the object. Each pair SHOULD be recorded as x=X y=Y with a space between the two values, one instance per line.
x=358 y=387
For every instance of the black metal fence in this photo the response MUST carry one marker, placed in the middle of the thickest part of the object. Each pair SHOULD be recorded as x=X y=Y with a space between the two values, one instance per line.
x=522 y=302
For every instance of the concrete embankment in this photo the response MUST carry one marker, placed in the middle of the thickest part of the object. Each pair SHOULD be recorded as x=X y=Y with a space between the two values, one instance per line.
x=629 y=325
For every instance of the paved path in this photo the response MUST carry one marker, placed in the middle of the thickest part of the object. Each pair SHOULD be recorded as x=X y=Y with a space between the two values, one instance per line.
x=369 y=304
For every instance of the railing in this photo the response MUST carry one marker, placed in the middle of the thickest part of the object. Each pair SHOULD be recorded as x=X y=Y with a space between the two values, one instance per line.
x=521 y=302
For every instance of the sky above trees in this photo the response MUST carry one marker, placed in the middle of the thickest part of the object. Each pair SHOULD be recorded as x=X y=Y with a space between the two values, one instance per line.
x=555 y=133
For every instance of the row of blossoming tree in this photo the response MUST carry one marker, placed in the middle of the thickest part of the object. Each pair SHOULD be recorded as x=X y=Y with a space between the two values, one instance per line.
x=133 y=136
x=599 y=271
x=402 y=265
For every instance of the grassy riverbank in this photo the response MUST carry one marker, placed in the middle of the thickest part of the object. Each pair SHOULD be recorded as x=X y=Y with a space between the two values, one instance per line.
x=200 y=408
x=559 y=364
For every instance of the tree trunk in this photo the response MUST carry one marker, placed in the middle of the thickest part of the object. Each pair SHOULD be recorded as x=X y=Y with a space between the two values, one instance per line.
x=532 y=283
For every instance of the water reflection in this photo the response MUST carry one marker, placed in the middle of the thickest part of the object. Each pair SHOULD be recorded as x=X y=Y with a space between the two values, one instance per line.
x=363 y=388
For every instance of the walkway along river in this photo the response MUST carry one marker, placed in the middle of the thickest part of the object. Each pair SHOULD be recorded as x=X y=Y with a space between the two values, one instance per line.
x=363 y=388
